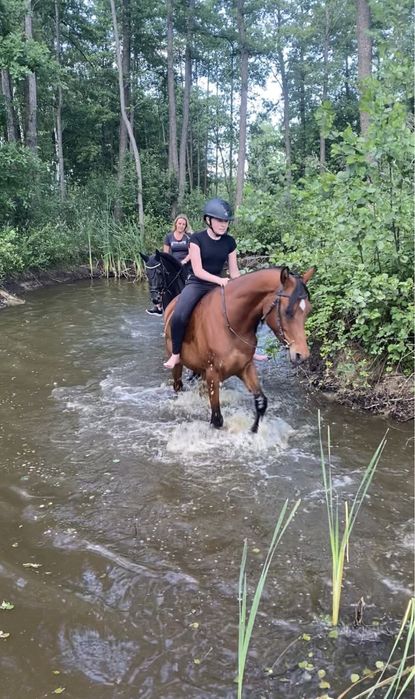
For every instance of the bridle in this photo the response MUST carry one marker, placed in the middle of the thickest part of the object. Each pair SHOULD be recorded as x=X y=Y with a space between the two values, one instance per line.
x=166 y=287
x=279 y=294
x=277 y=305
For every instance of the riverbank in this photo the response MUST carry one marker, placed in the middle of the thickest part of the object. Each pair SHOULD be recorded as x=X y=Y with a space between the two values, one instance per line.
x=353 y=380
x=358 y=382
x=12 y=290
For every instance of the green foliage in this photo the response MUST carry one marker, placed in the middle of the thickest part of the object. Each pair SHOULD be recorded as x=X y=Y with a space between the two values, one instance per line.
x=11 y=260
x=259 y=226
x=356 y=227
x=24 y=185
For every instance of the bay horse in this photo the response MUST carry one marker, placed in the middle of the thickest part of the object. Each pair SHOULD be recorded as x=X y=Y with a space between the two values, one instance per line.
x=165 y=275
x=220 y=339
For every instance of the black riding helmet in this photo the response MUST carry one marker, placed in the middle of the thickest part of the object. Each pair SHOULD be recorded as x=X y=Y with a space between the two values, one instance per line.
x=217 y=208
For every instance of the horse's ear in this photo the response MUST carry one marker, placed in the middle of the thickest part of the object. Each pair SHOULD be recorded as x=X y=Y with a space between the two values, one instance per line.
x=284 y=274
x=144 y=257
x=157 y=255
x=307 y=275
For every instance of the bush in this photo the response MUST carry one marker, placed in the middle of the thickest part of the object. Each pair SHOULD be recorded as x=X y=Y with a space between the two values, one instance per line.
x=11 y=260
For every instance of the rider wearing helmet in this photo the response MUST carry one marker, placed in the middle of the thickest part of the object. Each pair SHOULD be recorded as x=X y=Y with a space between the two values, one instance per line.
x=210 y=249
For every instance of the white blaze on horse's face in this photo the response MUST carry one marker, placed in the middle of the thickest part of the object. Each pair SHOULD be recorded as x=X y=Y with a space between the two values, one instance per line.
x=302 y=305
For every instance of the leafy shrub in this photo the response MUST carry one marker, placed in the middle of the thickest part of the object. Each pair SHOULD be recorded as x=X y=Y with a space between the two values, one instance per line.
x=11 y=260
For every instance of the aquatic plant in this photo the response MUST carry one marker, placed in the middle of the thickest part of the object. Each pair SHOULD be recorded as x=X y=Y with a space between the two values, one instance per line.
x=246 y=622
x=339 y=543
x=403 y=670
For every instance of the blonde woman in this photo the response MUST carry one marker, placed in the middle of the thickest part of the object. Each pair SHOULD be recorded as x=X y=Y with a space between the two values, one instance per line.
x=176 y=243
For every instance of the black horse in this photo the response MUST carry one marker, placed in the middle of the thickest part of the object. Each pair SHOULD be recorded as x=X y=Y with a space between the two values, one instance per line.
x=166 y=277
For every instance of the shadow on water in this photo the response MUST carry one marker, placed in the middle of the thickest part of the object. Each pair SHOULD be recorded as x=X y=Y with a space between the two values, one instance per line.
x=131 y=513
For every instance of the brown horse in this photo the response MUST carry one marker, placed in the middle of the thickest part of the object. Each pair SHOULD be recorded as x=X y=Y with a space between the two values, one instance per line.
x=220 y=339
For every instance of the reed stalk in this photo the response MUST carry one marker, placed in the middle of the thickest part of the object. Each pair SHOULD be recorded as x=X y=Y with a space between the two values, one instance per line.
x=246 y=622
x=339 y=542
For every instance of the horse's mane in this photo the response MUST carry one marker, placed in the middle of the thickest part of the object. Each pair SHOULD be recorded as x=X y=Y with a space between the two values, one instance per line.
x=170 y=262
x=300 y=291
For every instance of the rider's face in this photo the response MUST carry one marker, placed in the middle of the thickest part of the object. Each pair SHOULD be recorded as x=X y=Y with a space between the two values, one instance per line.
x=219 y=226
x=181 y=225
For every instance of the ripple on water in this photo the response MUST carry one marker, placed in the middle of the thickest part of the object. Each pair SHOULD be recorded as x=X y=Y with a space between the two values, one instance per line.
x=165 y=425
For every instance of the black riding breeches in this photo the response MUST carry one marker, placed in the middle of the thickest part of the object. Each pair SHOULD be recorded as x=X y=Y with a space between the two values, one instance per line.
x=187 y=300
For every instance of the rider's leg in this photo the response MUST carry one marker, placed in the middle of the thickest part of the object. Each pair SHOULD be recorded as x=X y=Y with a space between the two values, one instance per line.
x=186 y=302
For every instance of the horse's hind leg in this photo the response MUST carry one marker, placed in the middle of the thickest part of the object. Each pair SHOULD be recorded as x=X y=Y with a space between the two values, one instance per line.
x=212 y=380
x=250 y=378
x=177 y=377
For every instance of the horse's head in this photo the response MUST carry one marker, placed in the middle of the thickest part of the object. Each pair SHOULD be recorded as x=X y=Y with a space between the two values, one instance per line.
x=165 y=276
x=155 y=275
x=292 y=305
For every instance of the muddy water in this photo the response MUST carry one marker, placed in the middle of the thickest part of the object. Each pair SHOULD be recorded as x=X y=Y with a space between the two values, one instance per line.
x=123 y=516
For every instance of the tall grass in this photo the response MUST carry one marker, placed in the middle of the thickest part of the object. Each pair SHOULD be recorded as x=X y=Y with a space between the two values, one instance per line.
x=339 y=542
x=246 y=621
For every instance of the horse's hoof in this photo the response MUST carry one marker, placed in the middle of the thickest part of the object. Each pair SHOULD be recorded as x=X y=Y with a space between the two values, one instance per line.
x=216 y=421
x=254 y=428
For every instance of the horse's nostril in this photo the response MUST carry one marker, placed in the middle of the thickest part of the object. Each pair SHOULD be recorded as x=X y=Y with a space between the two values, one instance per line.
x=298 y=358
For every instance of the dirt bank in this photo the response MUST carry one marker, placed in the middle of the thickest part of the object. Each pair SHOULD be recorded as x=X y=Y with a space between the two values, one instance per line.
x=12 y=291
x=358 y=381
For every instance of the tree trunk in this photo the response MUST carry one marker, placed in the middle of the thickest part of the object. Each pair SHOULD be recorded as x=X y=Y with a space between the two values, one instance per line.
x=127 y=123
x=59 y=144
x=205 y=173
x=302 y=109
x=244 y=56
x=8 y=104
x=231 y=129
x=123 y=135
x=173 y=155
x=217 y=133
x=346 y=78
x=186 y=105
x=286 y=101
x=31 y=88
x=325 y=86
x=364 y=54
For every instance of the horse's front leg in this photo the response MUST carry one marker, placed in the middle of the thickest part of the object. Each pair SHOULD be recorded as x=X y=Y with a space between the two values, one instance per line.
x=250 y=378
x=177 y=377
x=212 y=380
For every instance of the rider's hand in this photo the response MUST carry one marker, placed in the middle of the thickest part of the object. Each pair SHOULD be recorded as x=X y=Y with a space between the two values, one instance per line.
x=223 y=281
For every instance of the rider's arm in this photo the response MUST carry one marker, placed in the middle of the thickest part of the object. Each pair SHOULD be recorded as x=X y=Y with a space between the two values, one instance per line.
x=233 y=265
x=198 y=270
x=166 y=248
